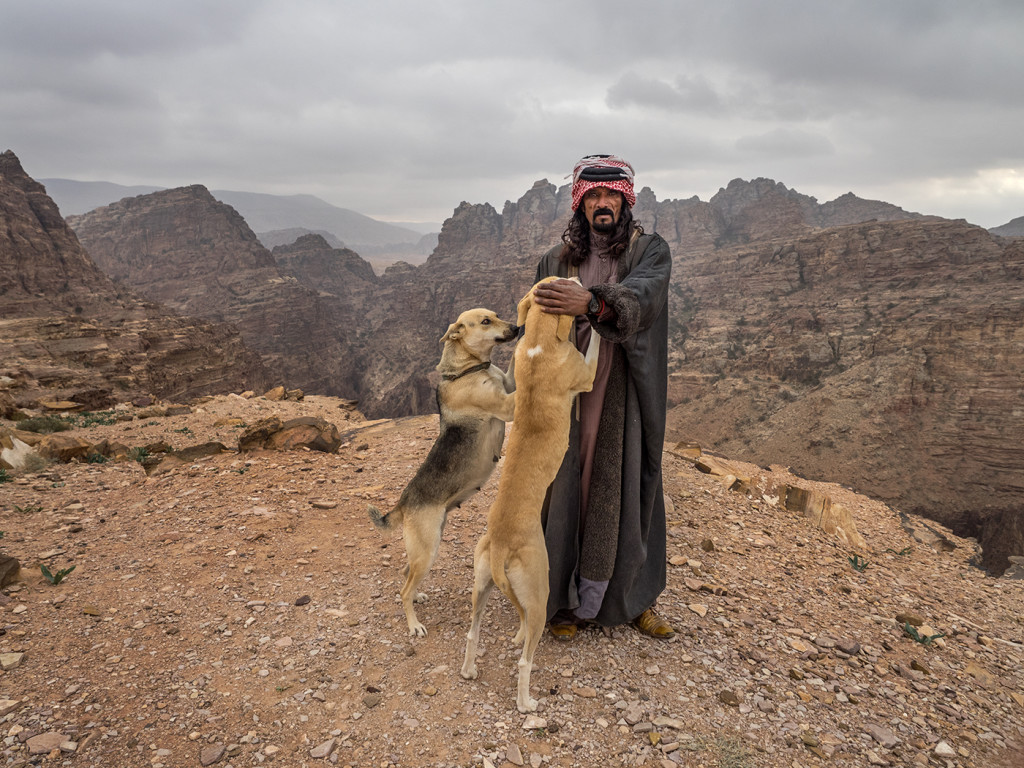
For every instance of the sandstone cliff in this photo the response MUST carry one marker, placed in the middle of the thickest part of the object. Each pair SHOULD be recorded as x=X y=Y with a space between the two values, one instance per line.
x=67 y=332
x=188 y=251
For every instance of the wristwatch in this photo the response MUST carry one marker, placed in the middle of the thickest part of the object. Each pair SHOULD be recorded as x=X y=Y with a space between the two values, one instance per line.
x=595 y=305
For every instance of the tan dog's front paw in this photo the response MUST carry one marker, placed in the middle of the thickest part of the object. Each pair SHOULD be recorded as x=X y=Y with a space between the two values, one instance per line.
x=469 y=671
x=416 y=629
x=421 y=597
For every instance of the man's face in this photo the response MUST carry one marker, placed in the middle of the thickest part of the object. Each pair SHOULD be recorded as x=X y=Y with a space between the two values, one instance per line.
x=602 y=207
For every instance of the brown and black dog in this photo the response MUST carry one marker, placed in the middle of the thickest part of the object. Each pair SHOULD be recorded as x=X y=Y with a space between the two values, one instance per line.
x=474 y=399
x=549 y=372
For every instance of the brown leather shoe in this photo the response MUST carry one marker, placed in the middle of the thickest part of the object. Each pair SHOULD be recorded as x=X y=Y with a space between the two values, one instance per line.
x=651 y=624
x=562 y=631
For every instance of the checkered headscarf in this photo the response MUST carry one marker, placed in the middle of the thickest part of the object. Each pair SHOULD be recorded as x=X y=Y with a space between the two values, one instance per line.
x=602 y=171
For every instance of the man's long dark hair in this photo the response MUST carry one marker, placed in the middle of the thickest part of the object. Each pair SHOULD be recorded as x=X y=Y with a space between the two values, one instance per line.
x=576 y=237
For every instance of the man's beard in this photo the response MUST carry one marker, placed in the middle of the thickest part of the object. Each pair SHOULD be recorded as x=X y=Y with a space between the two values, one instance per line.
x=604 y=227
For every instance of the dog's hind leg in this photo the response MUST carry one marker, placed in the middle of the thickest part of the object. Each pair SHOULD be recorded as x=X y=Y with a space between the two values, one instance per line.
x=483 y=583
x=530 y=583
x=422 y=533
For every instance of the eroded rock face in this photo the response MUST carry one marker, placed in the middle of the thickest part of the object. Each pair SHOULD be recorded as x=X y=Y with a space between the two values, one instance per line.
x=68 y=331
x=188 y=251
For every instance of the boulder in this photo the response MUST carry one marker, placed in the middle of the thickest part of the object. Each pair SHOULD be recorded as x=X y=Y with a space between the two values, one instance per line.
x=63 y=447
x=15 y=453
x=304 y=432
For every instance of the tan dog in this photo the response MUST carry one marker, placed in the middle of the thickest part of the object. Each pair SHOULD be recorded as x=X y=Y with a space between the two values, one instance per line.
x=474 y=401
x=549 y=371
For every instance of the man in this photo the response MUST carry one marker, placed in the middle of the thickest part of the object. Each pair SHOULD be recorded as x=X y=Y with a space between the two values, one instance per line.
x=605 y=513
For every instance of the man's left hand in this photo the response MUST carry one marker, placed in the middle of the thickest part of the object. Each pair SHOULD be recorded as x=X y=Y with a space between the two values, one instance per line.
x=562 y=297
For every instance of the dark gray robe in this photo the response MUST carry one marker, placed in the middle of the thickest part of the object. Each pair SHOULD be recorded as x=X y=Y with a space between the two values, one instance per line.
x=634 y=436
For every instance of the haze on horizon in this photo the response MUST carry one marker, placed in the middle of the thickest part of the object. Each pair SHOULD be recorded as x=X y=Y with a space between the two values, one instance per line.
x=401 y=111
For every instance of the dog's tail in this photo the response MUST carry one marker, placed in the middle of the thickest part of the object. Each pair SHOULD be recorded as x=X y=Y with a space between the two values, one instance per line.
x=499 y=561
x=386 y=522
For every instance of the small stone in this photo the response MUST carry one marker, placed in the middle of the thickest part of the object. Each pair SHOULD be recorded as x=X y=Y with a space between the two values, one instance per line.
x=942 y=749
x=320 y=504
x=283 y=642
x=920 y=667
x=514 y=755
x=532 y=722
x=45 y=743
x=270 y=750
x=304 y=600
x=850 y=647
x=882 y=735
x=700 y=610
x=654 y=669
x=8 y=705
x=323 y=750
x=10 y=660
x=91 y=610
x=585 y=692
x=707 y=545
x=796 y=674
x=430 y=691
x=909 y=618
x=730 y=698
x=371 y=700
x=211 y=754
x=809 y=739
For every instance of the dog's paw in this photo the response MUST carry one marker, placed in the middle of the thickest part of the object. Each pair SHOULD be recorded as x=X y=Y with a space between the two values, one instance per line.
x=421 y=597
x=530 y=705
x=469 y=671
x=417 y=630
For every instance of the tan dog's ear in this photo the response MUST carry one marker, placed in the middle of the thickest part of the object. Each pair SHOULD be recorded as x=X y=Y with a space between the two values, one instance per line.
x=564 y=326
x=454 y=332
x=524 y=308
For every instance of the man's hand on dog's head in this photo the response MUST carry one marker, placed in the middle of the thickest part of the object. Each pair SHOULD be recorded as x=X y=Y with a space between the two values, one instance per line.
x=562 y=297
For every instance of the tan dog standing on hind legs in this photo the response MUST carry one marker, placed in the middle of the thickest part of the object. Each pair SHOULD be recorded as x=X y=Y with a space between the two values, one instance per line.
x=549 y=372
x=474 y=400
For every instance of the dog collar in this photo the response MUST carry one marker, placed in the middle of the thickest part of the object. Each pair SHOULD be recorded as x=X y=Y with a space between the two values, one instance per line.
x=474 y=369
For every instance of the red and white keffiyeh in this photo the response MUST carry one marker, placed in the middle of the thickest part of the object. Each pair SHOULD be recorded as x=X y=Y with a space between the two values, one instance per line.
x=607 y=171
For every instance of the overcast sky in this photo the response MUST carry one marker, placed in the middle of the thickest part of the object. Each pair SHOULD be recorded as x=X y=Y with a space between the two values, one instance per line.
x=402 y=110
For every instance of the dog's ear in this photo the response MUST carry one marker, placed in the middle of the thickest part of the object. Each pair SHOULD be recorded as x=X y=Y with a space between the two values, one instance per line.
x=564 y=326
x=454 y=332
x=524 y=308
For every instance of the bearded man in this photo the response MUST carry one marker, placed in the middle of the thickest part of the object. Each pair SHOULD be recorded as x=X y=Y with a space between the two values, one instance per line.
x=604 y=517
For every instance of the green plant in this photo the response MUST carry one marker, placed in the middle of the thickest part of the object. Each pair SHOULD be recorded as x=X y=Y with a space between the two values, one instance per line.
x=55 y=578
x=29 y=510
x=138 y=454
x=96 y=458
x=911 y=631
x=89 y=418
x=241 y=470
x=183 y=430
x=45 y=424
x=902 y=552
x=4 y=477
x=858 y=563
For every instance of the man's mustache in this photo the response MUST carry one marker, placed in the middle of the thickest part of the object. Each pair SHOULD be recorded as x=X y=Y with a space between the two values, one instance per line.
x=604 y=212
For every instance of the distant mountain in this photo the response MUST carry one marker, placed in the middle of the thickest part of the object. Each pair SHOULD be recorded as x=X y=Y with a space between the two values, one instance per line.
x=75 y=197
x=1014 y=228
x=263 y=213
x=276 y=237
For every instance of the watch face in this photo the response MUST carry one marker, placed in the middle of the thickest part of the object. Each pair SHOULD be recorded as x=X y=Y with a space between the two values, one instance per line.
x=595 y=305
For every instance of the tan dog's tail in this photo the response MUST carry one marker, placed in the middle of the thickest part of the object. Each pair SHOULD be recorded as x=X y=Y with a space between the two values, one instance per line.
x=499 y=560
x=386 y=522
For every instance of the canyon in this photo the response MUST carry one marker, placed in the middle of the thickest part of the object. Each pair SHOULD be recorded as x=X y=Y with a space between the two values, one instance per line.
x=851 y=341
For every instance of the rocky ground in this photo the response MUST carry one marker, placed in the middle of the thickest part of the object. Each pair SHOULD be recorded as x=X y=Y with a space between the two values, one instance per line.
x=241 y=610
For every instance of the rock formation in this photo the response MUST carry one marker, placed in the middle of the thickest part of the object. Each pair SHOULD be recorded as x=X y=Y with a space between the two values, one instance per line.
x=186 y=250
x=68 y=332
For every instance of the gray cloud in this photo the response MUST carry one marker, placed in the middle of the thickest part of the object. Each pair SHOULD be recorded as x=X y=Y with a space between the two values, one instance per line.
x=404 y=110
